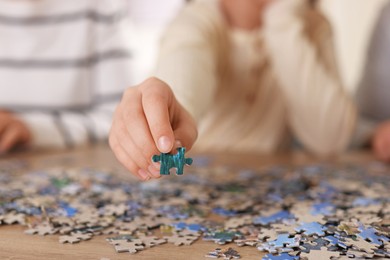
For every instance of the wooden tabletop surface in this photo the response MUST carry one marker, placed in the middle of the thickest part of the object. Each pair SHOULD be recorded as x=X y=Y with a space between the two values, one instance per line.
x=16 y=245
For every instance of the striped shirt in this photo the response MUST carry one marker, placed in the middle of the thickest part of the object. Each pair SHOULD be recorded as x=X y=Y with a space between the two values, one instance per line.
x=64 y=66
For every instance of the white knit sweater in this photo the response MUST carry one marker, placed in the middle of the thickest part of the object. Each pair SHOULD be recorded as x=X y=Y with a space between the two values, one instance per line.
x=251 y=91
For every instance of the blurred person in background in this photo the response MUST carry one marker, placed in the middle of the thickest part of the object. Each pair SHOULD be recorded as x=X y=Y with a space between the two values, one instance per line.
x=374 y=91
x=65 y=64
x=250 y=75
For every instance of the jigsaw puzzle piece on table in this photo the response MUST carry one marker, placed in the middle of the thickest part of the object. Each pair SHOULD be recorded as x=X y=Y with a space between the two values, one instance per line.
x=122 y=246
x=370 y=234
x=311 y=228
x=179 y=240
x=284 y=240
x=74 y=238
x=316 y=244
x=282 y=256
x=222 y=237
x=274 y=218
x=322 y=254
x=169 y=161
x=335 y=241
x=42 y=230
x=151 y=241
x=228 y=254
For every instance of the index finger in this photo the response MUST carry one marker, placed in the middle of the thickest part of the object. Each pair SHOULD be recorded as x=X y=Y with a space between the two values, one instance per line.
x=156 y=104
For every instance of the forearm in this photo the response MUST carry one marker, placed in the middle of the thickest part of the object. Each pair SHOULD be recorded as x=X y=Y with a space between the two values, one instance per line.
x=321 y=113
x=187 y=59
x=190 y=79
x=68 y=129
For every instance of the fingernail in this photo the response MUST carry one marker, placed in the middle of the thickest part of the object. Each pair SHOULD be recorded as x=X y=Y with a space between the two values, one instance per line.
x=164 y=144
x=157 y=166
x=178 y=144
x=144 y=175
x=154 y=171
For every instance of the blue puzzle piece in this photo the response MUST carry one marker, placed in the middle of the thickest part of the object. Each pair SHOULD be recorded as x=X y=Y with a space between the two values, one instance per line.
x=364 y=202
x=224 y=212
x=172 y=212
x=334 y=241
x=169 y=161
x=196 y=227
x=191 y=227
x=284 y=240
x=370 y=235
x=324 y=208
x=316 y=244
x=279 y=216
x=179 y=225
x=282 y=256
x=222 y=237
x=312 y=228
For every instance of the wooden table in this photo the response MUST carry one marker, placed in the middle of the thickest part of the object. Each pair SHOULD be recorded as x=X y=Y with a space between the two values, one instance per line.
x=15 y=245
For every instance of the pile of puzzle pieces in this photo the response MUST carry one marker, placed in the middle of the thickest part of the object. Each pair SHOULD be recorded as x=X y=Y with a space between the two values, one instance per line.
x=306 y=212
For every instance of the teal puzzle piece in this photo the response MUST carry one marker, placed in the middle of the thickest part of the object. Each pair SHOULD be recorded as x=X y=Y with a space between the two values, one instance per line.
x=169 y=161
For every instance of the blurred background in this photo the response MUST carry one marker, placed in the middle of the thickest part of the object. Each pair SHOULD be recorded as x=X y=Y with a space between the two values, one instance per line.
x=352 y=21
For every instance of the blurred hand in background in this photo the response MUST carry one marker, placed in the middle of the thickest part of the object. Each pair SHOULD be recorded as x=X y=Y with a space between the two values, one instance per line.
x=13 y=132
x=381 y=141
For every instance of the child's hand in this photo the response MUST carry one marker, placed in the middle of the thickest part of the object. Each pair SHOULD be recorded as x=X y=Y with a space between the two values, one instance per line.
x=13 y=132
x=381 y=141
x=149 y=121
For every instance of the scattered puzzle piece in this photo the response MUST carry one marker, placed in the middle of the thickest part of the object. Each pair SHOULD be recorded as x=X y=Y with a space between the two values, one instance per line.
x=284 y=240
x=371 y=235
x=71 y=239
x=322 y=254
x=42 y=230
x=227 y=254
x=123 y=246
x=222 y=237
x=282 y=256
x=312 y=228
x=317 y=244
x=152 y=241
x=179 y=240
x=361 y=245
x=274 y=218
x=14 y=218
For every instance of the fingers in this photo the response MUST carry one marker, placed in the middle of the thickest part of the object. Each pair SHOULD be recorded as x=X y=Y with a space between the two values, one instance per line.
x=133 y=152
x=127 y=152
x=125 y=159
x=12 y=135
x=12 y=132
x=381 y=147
x=381 y=141
x=156 y=103
x=5 y=120
x=133 y=119
x=8 y=139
